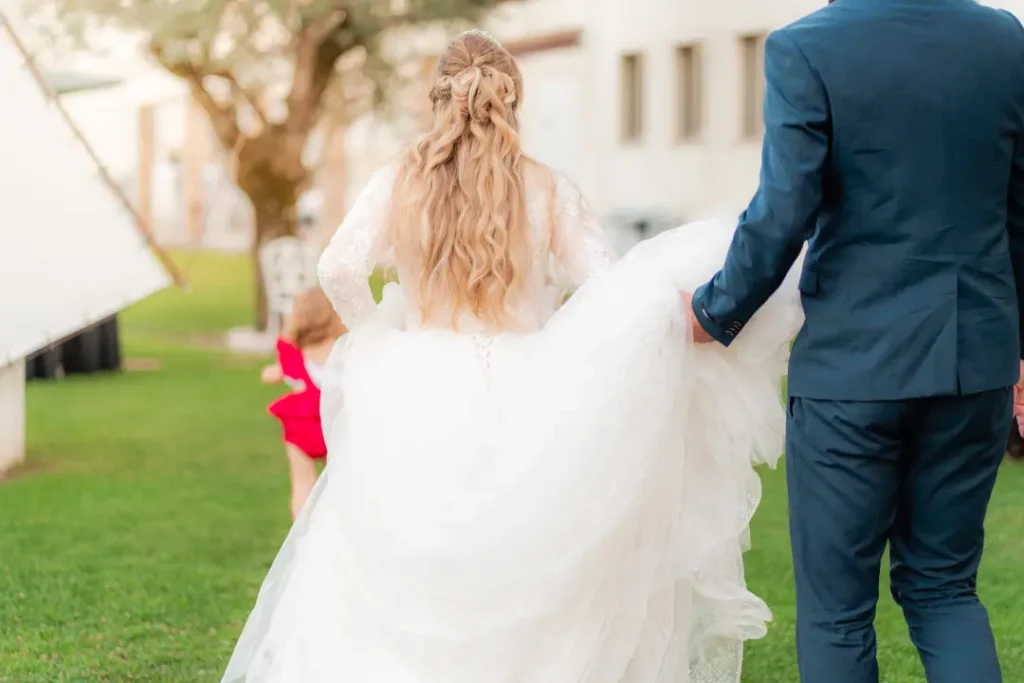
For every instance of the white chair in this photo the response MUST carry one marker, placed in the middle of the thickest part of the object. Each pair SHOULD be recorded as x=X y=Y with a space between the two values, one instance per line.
x=289 y=268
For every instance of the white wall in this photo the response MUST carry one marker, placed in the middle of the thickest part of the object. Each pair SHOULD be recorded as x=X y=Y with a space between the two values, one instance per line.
x=571 y=102
x=519 y=20
x=554 y=124
x=1015 y=6
x=719 y=169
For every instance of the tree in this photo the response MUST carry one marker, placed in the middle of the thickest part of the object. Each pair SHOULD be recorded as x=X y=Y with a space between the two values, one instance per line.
x=265 y=72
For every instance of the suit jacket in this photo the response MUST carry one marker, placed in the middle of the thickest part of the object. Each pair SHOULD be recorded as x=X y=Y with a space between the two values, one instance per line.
x=894 y=146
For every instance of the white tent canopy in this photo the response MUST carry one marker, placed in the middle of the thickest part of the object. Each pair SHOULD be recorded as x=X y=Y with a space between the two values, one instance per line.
x=71 y=252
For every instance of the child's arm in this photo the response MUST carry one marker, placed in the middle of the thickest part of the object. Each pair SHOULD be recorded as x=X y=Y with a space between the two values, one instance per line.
x=272 y=374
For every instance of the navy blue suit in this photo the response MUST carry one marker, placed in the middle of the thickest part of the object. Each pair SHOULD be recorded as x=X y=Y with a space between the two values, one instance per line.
x=894 y=147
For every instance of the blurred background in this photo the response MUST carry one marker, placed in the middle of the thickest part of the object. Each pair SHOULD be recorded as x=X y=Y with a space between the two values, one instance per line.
x=170 y=172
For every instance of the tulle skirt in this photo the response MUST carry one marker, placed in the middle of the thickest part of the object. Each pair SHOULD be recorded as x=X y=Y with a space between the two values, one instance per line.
x=565 y=506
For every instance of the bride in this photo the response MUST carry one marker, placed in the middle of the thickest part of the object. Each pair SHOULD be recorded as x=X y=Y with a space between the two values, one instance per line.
x=517 y=491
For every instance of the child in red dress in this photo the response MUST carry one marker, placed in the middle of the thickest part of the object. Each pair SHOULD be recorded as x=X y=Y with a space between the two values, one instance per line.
x=302 y=352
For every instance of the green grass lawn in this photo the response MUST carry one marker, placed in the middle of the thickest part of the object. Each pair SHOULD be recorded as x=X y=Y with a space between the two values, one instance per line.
x=133 y=542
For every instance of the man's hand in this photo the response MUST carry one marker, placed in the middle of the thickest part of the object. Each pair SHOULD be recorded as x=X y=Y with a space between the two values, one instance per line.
x=1018 y=401
x=700 y=335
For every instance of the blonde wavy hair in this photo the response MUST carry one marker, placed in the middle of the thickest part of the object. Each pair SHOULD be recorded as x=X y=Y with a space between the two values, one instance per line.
x=459 y=206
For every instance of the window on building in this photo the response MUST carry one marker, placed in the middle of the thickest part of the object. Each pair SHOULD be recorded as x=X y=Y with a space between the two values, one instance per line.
x=689 y=92
x=632 y=97
x=752 y=84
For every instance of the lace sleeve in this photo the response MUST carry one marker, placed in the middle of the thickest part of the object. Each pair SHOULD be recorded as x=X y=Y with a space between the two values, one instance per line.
x=579 y=244
x=355 y=249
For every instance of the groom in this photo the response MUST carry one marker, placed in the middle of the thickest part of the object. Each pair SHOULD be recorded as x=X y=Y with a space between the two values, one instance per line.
x=894 y=146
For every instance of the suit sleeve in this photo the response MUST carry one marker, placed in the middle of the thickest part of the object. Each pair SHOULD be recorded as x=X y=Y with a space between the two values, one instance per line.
x=1015 y=214
x=783 y=212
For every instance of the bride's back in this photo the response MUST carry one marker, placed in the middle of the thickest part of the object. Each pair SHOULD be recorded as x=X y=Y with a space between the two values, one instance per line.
x=472 y=219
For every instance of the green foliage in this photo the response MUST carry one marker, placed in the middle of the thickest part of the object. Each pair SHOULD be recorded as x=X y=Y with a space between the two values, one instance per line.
x=218 y=297
x=257 y=45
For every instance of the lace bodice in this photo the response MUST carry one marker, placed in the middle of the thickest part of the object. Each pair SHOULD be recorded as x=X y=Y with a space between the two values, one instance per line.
x=567 y=250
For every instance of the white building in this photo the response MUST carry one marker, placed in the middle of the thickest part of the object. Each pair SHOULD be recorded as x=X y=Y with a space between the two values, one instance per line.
x=651 y=106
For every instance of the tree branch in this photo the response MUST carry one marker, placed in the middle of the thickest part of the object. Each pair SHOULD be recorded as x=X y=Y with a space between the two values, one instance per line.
x=327 y=24
x=238 y=91
x=223 y=117
x=317 y=47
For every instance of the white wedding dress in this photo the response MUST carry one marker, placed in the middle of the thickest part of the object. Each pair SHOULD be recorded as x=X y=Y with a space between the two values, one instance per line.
x=563 y=505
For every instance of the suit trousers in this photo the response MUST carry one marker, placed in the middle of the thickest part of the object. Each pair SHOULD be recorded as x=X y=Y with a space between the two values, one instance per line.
x=916 y=475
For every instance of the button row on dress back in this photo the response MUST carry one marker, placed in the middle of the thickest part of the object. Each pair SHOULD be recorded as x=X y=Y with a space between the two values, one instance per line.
x=484 y=344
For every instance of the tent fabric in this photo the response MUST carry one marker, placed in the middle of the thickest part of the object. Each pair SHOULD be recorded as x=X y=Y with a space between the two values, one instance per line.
x=71 y=252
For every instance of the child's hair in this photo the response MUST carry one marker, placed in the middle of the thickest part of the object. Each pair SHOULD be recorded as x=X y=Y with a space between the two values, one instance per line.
x=313 y=320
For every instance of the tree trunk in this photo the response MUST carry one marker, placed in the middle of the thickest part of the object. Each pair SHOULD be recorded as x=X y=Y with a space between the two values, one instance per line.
x=271 y=174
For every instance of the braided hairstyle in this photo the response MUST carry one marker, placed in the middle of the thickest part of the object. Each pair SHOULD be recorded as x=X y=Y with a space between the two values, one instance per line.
x=458 y=215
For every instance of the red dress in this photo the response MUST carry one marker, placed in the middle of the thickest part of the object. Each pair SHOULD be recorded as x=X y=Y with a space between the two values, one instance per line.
x=299 y=411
